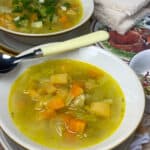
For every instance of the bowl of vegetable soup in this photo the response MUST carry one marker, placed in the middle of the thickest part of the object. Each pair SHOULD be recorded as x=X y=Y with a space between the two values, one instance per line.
x=84 y=99
x=43 y=17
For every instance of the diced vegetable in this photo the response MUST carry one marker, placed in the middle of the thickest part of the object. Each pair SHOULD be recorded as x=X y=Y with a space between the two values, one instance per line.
x=59 y=79
x=101 y=109
x=37 y=24
x=79 y=101
x=63 y=19
x=41 y=1
x=4 y=9
x=63 y=8
x=71 y=12
x=74 y=124
x=42 y=12
x=55 y=19
x=51 y=89
x=69 y=99
x=17 y=18
x=77 y=125
x=21 y=21
x=90 y=84
x=67 y=5
x=56 y=103
x=76 y=90
x=60 y=127
x=63 y=92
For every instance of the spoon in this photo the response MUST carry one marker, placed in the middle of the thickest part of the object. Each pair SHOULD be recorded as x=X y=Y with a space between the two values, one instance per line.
x=7 y=63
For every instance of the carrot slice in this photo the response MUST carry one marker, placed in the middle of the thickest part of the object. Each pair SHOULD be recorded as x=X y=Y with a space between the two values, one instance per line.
x=63 y=19
x=77 y=125
x=56 y=103
x=74 y=125
x=76 y=90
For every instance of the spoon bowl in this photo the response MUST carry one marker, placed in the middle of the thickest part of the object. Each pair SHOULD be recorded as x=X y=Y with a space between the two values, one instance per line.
x=5 y=61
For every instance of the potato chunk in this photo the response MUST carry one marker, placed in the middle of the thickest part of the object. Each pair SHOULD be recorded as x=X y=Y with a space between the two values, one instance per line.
x=101 y=109
x=59 y=79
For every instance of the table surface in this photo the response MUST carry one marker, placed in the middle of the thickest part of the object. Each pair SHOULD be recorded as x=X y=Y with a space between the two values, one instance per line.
x=142 y=128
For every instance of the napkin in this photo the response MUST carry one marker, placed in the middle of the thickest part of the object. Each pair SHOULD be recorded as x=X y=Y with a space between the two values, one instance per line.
x=129 y=7
x=117 y=20
x=129 y=22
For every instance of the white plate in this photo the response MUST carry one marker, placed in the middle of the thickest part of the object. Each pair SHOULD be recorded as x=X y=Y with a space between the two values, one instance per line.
x=120 y=71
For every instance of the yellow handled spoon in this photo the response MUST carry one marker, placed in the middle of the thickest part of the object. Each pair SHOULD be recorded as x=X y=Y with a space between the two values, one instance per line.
x=7 y=62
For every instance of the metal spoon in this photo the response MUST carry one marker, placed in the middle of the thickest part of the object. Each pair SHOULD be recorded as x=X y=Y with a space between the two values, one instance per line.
x=7 y=62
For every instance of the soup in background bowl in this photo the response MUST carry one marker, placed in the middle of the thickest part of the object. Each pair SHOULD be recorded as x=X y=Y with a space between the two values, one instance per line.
x=99 y=89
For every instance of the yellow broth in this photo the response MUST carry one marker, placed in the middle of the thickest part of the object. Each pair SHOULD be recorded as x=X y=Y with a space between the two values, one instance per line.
x=66 y=104
x=41 y=16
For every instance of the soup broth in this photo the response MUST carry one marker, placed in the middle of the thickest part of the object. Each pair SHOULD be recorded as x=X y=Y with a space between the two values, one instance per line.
x=66 y=104
x=40 y=16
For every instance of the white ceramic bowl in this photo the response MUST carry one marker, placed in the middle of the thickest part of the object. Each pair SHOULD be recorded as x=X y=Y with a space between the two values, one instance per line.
x=36 y=39
x=140 y=63
x=120 y=71
x=88 y=8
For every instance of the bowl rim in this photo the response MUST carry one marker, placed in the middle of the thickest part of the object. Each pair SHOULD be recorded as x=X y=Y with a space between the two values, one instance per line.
x=80 y=23
x=118 y=141
x=138 y=56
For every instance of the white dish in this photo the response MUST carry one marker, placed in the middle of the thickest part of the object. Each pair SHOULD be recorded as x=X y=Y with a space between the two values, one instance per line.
x=88 y=8
x=140 y=63
x=126 y=78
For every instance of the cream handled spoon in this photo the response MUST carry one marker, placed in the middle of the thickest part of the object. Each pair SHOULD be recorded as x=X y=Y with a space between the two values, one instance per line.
x=7 y=62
